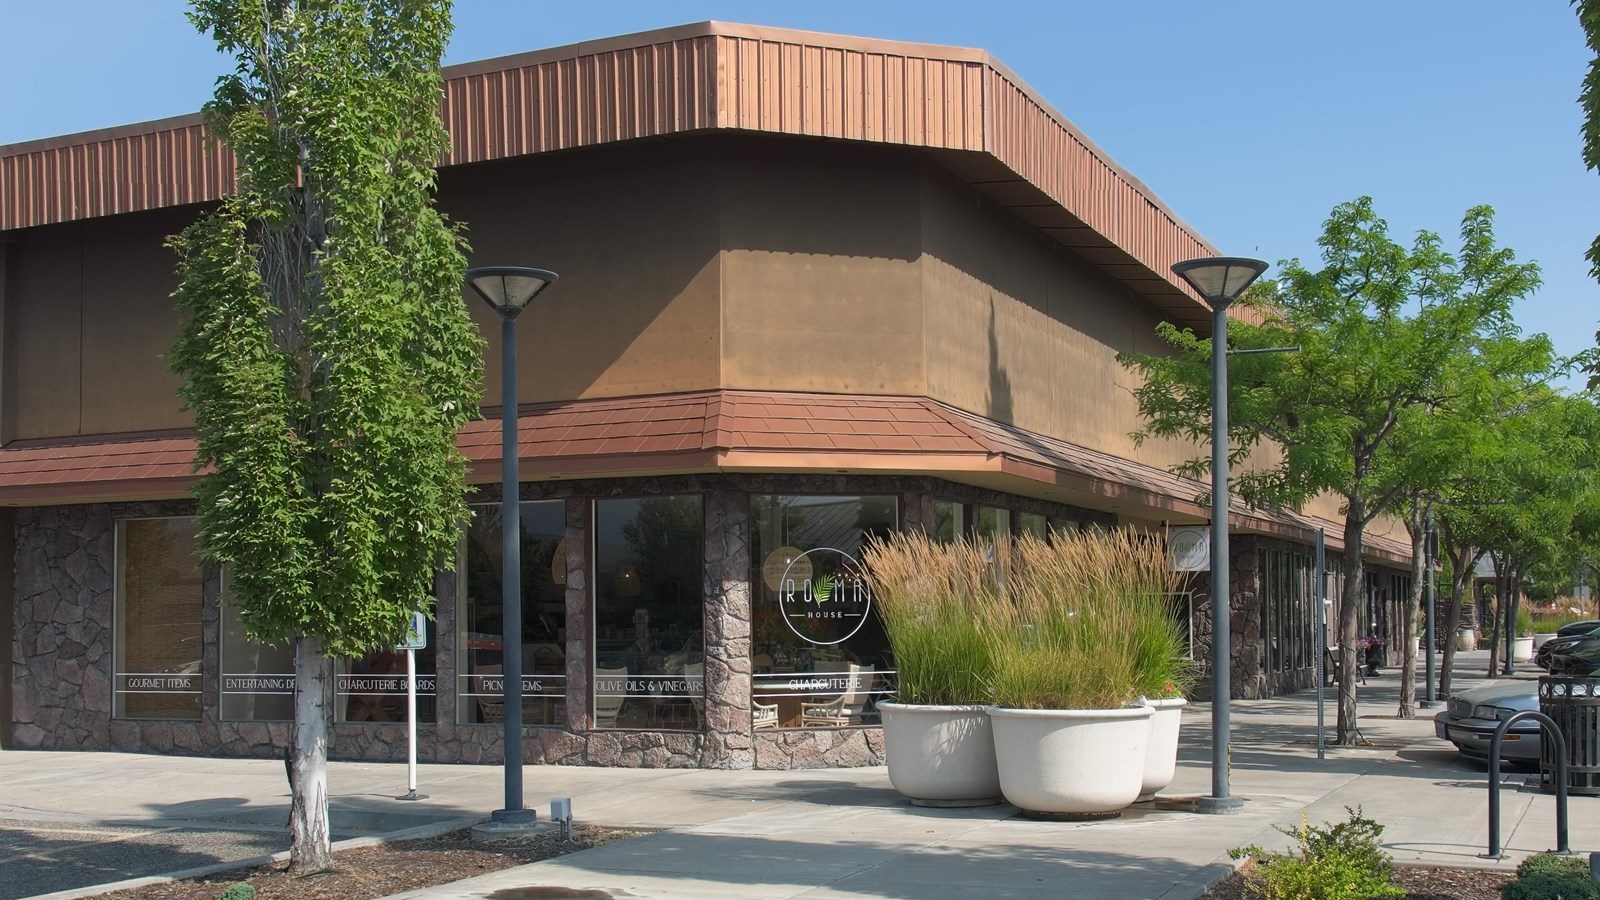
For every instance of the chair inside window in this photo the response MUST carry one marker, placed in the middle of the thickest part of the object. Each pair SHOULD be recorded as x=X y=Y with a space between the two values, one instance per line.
x=606 y=708
x=695 y=675
x=838 y=711
x=490 y=710
x=762 y=715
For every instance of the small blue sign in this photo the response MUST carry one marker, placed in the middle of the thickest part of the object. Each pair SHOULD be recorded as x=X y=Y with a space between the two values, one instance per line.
x=417 y=639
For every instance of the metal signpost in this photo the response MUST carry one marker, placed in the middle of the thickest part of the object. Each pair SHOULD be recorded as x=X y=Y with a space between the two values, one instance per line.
x=416 y=640
x=1322 y=632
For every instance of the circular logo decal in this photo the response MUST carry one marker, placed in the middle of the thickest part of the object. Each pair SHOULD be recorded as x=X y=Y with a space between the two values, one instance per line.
x=824 y=596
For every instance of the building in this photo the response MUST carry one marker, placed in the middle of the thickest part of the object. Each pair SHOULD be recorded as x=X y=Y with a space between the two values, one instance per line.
x=813 y=288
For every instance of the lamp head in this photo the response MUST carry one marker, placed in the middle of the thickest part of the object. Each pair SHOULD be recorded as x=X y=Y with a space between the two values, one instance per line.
x=509 y=289
x=1220 y=279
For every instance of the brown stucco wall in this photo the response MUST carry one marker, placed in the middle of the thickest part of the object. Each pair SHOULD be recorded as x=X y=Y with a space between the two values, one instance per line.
x=633 y=233
x=821 y=290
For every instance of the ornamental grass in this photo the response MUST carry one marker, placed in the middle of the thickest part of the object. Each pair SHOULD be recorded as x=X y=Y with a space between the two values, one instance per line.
x=1083 y=623
x=1076 y=622
x=931 y=598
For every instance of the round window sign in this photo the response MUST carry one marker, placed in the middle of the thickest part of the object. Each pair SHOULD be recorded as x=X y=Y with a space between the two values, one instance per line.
x=824 y=596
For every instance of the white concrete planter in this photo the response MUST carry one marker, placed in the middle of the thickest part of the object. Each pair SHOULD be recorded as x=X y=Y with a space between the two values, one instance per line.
x=1161 y=755
x=940 y=755
x=1466 y=639
x=1522 y=649
x=1540 y=637
x=1071 y=763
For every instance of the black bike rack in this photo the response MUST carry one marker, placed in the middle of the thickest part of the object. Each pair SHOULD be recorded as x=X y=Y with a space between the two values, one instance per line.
x=1551 y=731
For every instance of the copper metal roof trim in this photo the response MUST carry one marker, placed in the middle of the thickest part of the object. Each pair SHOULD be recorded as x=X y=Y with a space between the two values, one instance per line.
x=710 y=75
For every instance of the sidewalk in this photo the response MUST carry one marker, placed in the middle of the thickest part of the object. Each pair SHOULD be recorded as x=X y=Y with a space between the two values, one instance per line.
x=845 y=833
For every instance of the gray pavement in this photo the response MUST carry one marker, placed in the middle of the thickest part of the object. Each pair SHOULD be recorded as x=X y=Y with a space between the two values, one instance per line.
x=806 y=834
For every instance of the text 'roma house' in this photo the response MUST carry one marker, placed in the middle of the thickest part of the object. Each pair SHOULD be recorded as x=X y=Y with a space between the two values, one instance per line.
x=813 y=288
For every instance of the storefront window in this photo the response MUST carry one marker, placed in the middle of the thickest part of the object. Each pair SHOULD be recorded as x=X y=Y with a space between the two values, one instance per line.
x=258 y=679
x=649 y=668
x=948 y=521
x=1031 y=523
x=157 y=611
x=1288 y=613
x=992 y=521
x=816 y=664
x=479 y=650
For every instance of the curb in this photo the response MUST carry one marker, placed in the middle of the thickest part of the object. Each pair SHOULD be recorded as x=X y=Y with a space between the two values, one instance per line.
x=416 y=832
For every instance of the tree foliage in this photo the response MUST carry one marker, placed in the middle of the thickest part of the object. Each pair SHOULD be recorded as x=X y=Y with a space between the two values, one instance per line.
x=1379 y=327
x=1589 y=100
x=326 y=352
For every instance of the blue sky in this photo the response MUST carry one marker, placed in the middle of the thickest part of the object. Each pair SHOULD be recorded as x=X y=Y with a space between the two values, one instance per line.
x=1250 y=119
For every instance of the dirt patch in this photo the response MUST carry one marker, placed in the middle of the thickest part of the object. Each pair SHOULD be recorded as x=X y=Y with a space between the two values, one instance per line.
x=1419 y=883
x=371 y=872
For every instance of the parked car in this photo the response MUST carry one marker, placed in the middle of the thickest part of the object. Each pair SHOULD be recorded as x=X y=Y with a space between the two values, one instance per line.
x=1563 y=644
x=1583 y=627
x=1580 y=659
x=1470 y=718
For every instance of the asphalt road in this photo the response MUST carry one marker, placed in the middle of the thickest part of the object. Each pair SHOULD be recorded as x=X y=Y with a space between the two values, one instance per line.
x=39 y=857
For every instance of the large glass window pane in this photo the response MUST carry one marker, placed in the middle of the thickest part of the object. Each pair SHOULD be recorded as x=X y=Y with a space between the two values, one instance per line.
x=258 y=679
x=991 y=521
x=948 y=520
x=480 y=654
x=1031 y=523
x=157 y=650
x=372 y=688
x=649 y=668
x=815 y=673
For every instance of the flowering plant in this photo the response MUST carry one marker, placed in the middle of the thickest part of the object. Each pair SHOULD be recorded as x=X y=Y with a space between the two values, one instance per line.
x=1369 y=641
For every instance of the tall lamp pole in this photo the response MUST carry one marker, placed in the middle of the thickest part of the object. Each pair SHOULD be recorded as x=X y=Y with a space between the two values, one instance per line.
x=509 y=290
x=1429 y=554
x=1219 y=280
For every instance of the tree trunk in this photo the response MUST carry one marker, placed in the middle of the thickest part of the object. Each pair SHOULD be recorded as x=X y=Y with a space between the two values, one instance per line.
x=1349 y=616
x=310 y=850
x=1497 y=613
x=1408 y=621
x=1462 y=561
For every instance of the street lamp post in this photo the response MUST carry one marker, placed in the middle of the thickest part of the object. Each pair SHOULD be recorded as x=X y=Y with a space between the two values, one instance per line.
x=1219 y=280
x=509 y=290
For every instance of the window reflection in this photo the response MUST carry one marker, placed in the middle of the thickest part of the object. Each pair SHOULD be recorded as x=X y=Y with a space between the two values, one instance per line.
x=808 y=674
x=480 y=646
x=649 y=667
x=157 y=611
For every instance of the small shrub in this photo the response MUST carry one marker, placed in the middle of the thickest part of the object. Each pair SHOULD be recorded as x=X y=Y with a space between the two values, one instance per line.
x=238 y=891
x=1335 y=861
x=1552 y=887
x=1546 y=876
x=1553 y=864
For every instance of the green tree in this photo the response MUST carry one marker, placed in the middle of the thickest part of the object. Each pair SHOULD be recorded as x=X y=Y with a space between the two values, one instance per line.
x=1377 y=326
x=326 y=352
x=1446 y=453
x=1589 y=99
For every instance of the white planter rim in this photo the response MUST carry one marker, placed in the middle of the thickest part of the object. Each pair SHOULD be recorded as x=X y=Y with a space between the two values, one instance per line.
x=1129 y=712
x=931 y=708
x=1166 y=702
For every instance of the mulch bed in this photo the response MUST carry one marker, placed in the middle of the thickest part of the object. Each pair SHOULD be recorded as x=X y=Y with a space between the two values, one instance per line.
x=1420 y=884
x=371 y=872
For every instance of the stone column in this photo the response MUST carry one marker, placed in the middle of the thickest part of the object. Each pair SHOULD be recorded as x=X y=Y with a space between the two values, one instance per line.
x=916 y=512
x=580 y=658
x=446 y=685
x=727 y=623
x=1244 y=606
